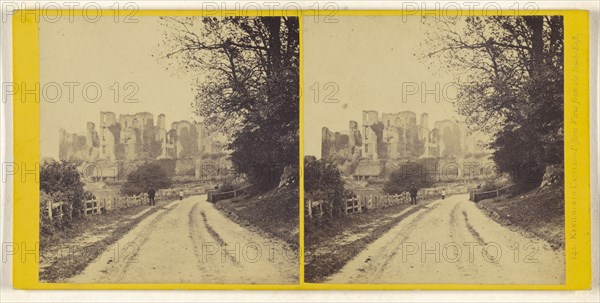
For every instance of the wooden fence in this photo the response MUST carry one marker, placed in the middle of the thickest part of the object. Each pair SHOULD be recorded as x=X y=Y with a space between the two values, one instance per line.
x=214 y=196
x=476 y=195
x=98 y=206
x=56 y=207
x=314 y=208
x=358 y=204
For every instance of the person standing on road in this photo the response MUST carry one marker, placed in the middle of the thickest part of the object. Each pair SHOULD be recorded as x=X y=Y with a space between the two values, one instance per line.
x=413 y=194
x=151 y=194
x=180 y=194
x=443 y=194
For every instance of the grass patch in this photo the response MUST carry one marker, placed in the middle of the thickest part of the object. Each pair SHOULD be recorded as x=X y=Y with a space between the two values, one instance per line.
x=328 y=248
x=67 y=252
x=274 y=212
x=538 y=213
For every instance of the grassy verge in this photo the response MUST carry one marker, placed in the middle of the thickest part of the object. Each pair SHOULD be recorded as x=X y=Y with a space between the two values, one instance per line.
x=274 y=213
x=328 y=248
x=67 y=252
x=539 y=214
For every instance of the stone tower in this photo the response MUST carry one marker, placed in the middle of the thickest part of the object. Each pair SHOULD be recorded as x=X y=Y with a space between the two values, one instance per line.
x=369 y=137
x=106 y=137
x=424 y=120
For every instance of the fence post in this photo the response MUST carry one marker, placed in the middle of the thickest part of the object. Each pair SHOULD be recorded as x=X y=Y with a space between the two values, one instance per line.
x=50 y=210
x=320 y=210
x=309 y=204
x=346 y=206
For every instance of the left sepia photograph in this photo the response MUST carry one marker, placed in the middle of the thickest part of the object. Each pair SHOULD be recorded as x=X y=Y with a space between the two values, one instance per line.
x=169 y=150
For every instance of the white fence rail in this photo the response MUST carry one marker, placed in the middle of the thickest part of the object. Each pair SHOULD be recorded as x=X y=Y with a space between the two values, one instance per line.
x=98 y=206
x=358 y=204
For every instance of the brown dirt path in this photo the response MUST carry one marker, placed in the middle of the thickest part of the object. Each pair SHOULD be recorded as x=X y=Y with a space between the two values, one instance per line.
x=190 y=241
x=452 y=241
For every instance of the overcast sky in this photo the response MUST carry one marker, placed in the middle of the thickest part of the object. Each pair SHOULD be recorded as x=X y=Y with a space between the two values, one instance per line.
x=105 y=53
x=369 y=58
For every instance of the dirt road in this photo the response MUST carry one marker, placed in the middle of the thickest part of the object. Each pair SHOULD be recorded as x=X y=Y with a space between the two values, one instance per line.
x=189 y=241
x=451 y=241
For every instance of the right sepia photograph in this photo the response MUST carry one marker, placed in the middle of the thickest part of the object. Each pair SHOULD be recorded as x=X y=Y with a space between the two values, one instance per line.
x=434 y=150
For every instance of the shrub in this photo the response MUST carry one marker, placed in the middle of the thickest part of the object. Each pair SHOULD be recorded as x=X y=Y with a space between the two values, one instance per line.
x=323 y=181
x=225 y=187
x=62 y=181
x=46 y=227
x=139 y=181
x=488 y=186
x=401 y=180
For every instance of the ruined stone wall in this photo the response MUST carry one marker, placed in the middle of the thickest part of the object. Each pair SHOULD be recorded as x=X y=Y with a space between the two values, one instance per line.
x=370 y=138
x=407 y=118
x=134 y=136
x=338 y=145
x=398 y=136
x=107 y=119
x=71 y=145
x=327 y=139
x=370 y=117
x=354 y=134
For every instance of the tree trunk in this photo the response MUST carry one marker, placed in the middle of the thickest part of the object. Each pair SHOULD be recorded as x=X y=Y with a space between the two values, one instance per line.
x=536 y=24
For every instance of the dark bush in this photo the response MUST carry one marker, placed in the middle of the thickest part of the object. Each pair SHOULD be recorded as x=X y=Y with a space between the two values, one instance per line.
x=62 y=181
x=225 y=187
x=323 y=182
x=139 y=181
x=401 y=179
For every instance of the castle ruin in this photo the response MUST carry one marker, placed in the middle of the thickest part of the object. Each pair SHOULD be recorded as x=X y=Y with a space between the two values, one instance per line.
x=135 y=137
x=399 y=136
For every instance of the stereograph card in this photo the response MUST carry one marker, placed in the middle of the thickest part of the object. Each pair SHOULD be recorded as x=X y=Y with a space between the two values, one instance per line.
x=300 y=149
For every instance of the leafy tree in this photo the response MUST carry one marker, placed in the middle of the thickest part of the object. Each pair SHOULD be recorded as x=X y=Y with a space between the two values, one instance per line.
x=516 y=155
x=451 y=140
x=62 y=181
x=510 y=75
x=189 y=143
x=46 y=226
x=249 y=88
x=415 y=146
x=120 y=151
x=402 y=178
x=323 y=182
x=152 y=145
x=139 y=181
